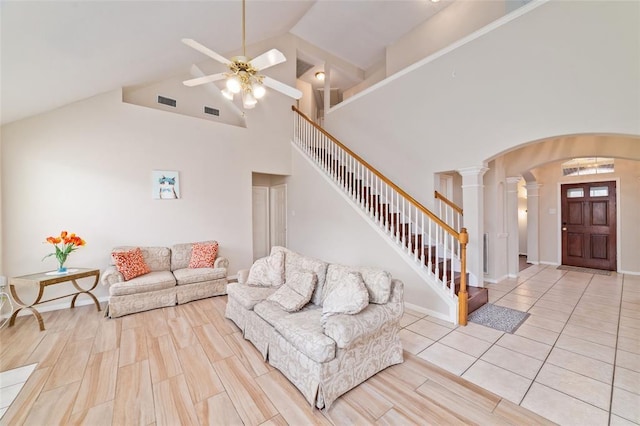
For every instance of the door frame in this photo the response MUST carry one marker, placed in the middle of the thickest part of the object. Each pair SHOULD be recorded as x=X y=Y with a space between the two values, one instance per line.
x=591 y=179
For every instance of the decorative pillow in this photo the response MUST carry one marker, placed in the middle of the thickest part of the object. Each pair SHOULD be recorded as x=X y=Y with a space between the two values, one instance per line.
x=130 y=263
x=268 y=271
x=349 y=296
x=296 y=291
x=203 y=255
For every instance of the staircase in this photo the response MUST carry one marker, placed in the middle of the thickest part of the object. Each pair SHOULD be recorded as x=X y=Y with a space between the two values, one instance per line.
x=426 y=239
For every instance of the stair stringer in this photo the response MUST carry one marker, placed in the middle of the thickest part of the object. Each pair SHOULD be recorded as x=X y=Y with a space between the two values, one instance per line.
x=432 y=283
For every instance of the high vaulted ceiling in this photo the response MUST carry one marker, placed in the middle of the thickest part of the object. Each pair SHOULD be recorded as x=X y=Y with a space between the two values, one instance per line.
x=57 y=52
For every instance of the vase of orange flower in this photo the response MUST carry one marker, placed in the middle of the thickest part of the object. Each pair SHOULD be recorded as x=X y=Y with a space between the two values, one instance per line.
x=65 y=244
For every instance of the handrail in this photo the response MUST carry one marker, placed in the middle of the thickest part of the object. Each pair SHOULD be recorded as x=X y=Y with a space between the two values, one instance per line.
x=422 y=208
x=448 y=202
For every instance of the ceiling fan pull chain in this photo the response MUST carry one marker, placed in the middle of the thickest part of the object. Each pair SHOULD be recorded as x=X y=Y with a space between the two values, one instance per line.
x=244 y=53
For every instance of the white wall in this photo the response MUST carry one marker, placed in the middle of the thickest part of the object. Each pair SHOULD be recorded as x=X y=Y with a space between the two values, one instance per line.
x=86 y=168
x=457 y=20
x=561 y=68
x=323 y=224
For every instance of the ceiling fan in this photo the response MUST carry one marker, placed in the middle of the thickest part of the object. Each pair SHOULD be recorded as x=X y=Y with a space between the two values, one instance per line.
x=244 y=75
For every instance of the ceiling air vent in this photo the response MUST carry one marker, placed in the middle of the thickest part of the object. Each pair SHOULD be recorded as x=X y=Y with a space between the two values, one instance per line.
x=167 y=101
x=212 y=111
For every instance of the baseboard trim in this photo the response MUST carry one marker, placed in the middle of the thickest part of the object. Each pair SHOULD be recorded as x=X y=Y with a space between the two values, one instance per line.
x=497 y=280
x=58 y=306
x=629 y=272
x=429 y=312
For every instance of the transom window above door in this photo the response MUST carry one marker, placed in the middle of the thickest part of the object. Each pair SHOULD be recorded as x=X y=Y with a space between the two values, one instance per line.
x=587 y=166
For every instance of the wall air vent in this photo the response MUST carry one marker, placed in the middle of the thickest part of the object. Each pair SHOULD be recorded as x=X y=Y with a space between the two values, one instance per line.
x=212 y=111
x=167 y=101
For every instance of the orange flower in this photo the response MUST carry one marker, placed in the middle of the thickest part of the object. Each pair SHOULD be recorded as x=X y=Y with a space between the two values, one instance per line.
x=70 y=243
x=63 y=234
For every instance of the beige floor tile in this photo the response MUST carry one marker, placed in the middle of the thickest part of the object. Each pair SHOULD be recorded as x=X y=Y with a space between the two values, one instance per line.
x=414 y=312
x=581 y=364
x=521 y=298
x=576 y=385
x=524 y=346
x=626 y=405
x=543 y=302
x=513 y=361
x=563 y=409
x=593 y=323
x=608 y=300
x=441 y=322
x=586 y=348
x=414 y=342
x=541 y=335
x=518 y=306
x=448 y=358
x=629 y=344
x=629 y=310
x=628 y=380
x=429 y=329
x=498 y=380
x=619 y=421
x=544 y=322
x=549 y=313
x=628 y=360
x=408 y=319
x=465 y=343
x=629 y=332
x=597 y=315
x=481 y=332
x=528 y=291
x=495 y=295
x=590 y=335
x=218 y=410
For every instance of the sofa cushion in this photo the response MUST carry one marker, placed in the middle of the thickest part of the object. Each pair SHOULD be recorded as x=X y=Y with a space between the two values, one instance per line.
x=130 y=263
x=348 y=330
x=296 y=291
x=304 y=332
x=156 y=280
x=181 y=254
x=197 y=275
x=248 y=296
x=267 y=271
x=157 y=258
x=203 y=255
x=377 y=281
x=296 y=261
x=347 y=296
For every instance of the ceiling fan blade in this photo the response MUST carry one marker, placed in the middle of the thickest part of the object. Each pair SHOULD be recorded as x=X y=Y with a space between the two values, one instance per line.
x=202 y=80
x=292 y=92
x=202 y=49
x=268 y=59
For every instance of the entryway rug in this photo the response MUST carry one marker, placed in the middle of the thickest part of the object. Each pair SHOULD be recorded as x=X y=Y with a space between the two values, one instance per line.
x=586 y=270
x=498 y=317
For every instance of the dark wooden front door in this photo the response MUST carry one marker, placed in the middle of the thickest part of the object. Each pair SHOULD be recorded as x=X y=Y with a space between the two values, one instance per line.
x=589 y=225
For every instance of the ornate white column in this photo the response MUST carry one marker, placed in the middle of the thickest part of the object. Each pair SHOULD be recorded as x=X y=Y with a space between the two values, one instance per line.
x=533 y=222
x=513 y=264
x=473 y=202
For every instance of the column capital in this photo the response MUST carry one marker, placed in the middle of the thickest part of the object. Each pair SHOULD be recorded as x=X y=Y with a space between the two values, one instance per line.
x=514 y=179
x=473 y=171
x=532 y=189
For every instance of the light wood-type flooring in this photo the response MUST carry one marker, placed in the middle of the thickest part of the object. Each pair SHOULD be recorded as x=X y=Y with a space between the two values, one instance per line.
x=189 y=365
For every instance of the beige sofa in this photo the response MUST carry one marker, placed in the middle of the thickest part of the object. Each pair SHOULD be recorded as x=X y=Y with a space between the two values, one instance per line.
x=324 y=357
x=170 y=281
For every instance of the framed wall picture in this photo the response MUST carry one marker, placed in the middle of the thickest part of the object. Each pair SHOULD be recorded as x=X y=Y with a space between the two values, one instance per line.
x=165 y=185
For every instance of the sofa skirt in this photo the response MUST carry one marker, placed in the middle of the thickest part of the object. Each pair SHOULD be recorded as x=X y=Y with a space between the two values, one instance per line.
x=132 y=303
x=322 y=383
x=195 y=291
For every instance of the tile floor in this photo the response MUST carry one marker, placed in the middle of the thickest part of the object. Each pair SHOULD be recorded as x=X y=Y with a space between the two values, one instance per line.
x=575 y=360
x=11 y=382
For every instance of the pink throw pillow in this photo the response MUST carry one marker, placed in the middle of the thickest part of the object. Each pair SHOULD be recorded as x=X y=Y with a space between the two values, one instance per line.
x=203 y=255
x=130 y=263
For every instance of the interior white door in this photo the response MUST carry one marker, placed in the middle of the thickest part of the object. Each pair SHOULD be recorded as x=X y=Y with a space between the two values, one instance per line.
x=278 y=214
x=261 y=243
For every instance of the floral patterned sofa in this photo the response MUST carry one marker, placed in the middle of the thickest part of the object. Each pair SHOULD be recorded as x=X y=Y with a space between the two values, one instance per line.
x=168 y=281
x=326 y=327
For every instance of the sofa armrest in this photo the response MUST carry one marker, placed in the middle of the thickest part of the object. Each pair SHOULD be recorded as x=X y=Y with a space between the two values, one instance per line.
x=221 y=262
x=347 y=330
x=243 y=275
x=111 y=276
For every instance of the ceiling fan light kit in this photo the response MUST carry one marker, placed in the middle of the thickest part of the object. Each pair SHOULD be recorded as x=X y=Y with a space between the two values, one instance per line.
x=243 y=76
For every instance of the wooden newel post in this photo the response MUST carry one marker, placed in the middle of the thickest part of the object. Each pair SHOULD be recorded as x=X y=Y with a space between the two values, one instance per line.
x=463 y=296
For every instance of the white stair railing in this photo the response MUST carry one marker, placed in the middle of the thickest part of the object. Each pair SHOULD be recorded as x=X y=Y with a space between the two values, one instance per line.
x=437 y=247
x=450 y=213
